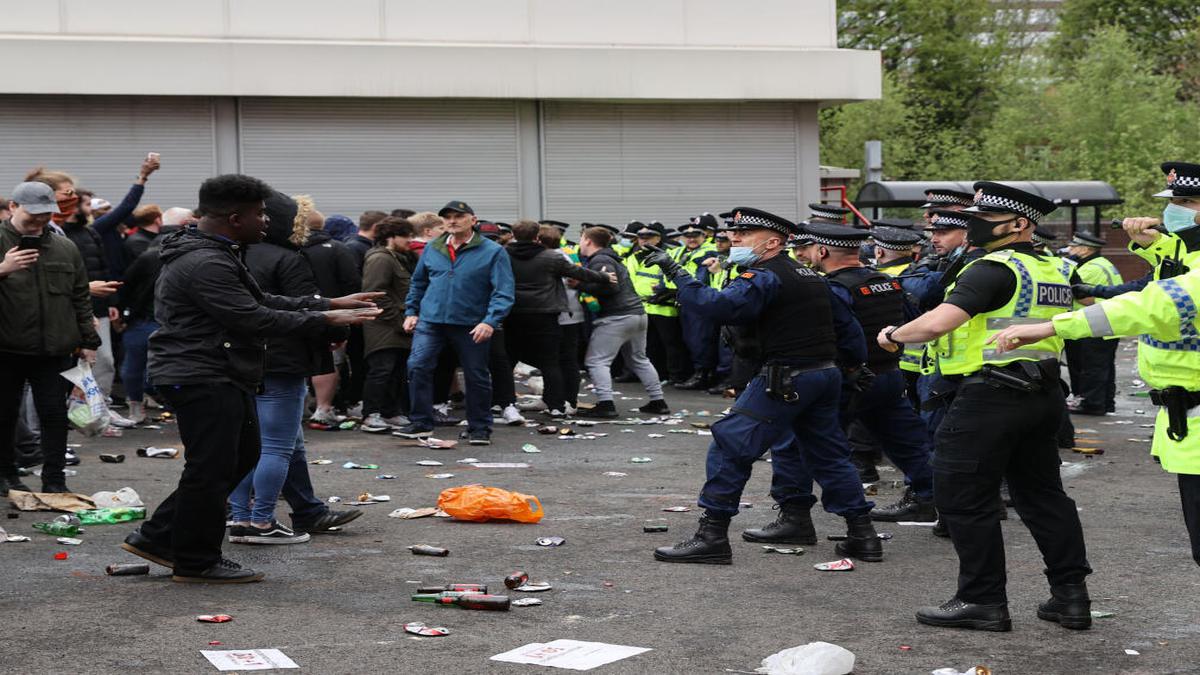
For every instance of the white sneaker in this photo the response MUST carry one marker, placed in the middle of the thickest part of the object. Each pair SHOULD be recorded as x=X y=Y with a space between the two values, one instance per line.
x=569 y=409
x=375 y=424
x=116 y=420
x=326 y=417
x=532 y=405
x=396 y=422
x=556 y=413
x=150 y=402
x=511 y=417
x=443 y=408
x=355 y=411
x=137 y=412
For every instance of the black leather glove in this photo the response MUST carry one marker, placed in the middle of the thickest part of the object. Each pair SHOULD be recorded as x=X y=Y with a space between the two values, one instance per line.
x=1083 y=290
x=662 y=296
x=659 y=257
x=859 y=378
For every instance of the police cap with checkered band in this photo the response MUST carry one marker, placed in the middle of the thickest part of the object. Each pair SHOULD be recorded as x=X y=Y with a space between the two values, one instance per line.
x=946 y=219
x=746 y=218
x=999 y=198
x=1183 y=180
x=836 y=236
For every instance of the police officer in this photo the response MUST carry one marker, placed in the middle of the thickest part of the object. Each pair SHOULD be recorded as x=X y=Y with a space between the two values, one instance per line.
x=1092 y=362
x=1178 y=248
x=699 y=334
x=790 y=315
x=894 y=249
x=720 y=273
x=1164 y=315
x=879 y=404
x=1004 y=417
x=562 y=233
x=664 y=339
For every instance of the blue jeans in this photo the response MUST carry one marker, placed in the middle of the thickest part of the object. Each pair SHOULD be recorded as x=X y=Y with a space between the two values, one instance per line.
x=759 y=422
x=428 y=341
x=133 y=369
x=280 y=414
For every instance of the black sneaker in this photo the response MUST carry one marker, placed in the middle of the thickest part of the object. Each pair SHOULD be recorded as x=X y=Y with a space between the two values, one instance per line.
x=413 y=431
x=224 y=572
x=441 y=419
x=71 y=458
x=13 y=482
x=477 y=437
x=277 y=533
x=142 y=547
x=326 y=522
x=655 y=407
x=55 y=486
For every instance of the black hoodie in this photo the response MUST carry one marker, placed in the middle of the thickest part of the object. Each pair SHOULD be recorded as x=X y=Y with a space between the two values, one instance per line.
x=279 y=268
x=213 y=317
x=538 y=273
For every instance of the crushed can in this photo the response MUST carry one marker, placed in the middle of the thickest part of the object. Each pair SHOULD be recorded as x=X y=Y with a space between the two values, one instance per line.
x=515 y=580
x=423 y=549
x=127 y=569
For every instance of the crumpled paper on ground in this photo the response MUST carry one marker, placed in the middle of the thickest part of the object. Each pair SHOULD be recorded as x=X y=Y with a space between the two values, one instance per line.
x=50 y=501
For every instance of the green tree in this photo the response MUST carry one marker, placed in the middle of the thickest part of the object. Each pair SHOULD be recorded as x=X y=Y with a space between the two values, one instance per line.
x=1164 y=31
x=1111 y=118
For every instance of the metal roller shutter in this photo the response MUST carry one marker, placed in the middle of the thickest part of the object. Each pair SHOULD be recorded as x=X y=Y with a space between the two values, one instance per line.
x=358 y=154
x=614 y=163
x=102 y=140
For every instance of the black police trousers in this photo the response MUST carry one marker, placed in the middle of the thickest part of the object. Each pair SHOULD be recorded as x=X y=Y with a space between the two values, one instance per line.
x=990 y=434
x=1189 y=494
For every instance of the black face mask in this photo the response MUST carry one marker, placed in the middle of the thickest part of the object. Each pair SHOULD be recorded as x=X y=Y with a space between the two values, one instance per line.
x=979 y=231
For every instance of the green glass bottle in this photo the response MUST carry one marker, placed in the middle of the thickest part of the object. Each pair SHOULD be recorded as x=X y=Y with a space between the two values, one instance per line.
x=114 y=514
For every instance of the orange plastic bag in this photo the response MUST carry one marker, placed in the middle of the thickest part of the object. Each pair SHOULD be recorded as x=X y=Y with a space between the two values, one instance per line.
x=481 y=503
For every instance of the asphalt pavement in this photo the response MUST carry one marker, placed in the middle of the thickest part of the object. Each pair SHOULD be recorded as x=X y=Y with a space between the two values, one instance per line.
x=338 y=603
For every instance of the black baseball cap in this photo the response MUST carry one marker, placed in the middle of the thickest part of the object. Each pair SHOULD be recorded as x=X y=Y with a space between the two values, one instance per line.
x=457 y=206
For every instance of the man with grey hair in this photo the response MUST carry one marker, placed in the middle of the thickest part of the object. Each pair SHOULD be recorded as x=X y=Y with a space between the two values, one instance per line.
x=177 y=215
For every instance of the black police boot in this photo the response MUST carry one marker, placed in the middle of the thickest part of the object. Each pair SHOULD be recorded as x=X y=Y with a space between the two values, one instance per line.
x=719 y=389
x=793 y=525
x=940 y=529
x=656 y=406
x=605 y=410
x=867 y=472
x=862 y=542
x=909 y=508
x=700 y=379
x=957 y=613
x=1069 y=606
x=12 y=481
x=710 y=545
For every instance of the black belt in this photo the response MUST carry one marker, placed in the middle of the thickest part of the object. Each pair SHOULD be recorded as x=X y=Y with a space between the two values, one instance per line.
x=793 y=371
x=1023 y=376
x=1177 y=402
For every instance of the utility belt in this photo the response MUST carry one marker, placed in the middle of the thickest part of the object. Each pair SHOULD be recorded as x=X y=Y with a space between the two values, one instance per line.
x=779 y=378
x=1023 y=376
x=1177 y=402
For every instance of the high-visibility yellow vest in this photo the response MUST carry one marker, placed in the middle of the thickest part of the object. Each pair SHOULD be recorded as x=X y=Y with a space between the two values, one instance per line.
x=1042 y=293
x=690 y=259
x=645 y=278
x=1164 y=315
x=1163 y=248
x=896 y=270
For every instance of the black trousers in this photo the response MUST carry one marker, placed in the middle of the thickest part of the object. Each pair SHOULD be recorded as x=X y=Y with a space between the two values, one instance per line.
x=218 y=425
x=386 y=389
x=568 y=361
x=1097 y=376
x=666 y=349
x=351 y=391
x=990 y=434
x=536 y=339
x=504 y=389
x=49 y=399
x=1189 y=494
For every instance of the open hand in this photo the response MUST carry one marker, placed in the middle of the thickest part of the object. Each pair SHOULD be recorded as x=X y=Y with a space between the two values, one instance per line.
x=1015 y=337
x=482 y=332
x=356 y=300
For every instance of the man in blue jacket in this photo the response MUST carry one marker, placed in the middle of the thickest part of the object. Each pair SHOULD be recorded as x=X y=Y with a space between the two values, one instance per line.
x=461 y=290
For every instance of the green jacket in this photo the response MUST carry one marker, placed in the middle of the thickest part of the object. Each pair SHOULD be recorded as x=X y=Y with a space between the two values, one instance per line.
x=385 y=270
x=46 y=308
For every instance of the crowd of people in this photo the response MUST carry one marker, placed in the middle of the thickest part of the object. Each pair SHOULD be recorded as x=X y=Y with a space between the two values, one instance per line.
x=841 y=343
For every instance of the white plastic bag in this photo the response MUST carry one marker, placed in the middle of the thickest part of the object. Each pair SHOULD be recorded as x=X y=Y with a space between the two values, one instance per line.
x=91 y=414
x=814 y=658
x=126 y=496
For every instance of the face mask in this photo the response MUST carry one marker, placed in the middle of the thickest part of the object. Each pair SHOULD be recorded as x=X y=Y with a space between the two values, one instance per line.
x=66 y=208
x=979 y=231
x=1176 y=217
x=743 y=255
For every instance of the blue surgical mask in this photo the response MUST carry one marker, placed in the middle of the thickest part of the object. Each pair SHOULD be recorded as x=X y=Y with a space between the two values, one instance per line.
x=742 y=255
x=1176 y=218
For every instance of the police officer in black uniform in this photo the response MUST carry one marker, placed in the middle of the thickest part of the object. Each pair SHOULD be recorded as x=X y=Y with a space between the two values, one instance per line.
x=1003 y=419
x=878 y=403
x=795 y=321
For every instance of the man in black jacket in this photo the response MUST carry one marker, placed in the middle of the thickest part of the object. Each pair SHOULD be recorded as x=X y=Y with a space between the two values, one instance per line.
x=619 y=327
x=45 y=317
x=531 y=329
x=206 y=360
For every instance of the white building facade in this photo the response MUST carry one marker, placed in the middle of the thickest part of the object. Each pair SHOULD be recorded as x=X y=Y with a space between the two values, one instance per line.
x=577 y=110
